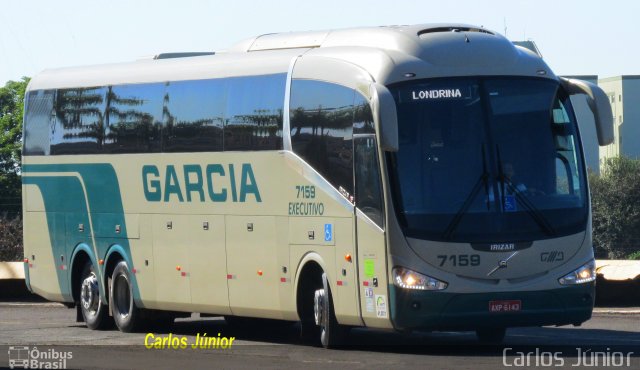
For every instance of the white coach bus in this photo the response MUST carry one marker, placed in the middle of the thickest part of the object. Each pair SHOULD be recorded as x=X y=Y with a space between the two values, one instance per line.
x=425 y=177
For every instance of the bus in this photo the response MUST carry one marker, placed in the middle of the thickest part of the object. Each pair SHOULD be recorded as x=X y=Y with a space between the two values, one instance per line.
x=426 y=177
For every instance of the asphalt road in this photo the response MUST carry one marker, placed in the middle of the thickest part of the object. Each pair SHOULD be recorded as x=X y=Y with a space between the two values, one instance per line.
x=50 y=330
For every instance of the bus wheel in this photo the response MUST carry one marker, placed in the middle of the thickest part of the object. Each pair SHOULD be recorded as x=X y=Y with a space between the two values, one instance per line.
x=124 y=310
x=94 y=312
x=332 y=334
x=491 y=335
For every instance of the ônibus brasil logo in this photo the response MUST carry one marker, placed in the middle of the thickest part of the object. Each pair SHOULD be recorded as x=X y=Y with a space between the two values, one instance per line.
x=26 y=357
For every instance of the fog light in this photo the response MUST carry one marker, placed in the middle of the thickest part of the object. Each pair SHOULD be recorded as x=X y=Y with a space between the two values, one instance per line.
x=585 y=274
x=409 y=279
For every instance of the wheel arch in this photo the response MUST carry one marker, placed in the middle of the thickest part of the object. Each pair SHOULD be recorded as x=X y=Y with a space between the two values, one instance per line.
x=308 y=276
x=81 y=255
x=115 y=254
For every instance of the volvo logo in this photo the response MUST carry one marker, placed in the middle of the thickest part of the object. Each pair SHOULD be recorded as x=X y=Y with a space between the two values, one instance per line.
x=503 y=264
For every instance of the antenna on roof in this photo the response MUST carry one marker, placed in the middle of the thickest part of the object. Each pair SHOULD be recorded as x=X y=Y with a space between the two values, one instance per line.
x=504 y=20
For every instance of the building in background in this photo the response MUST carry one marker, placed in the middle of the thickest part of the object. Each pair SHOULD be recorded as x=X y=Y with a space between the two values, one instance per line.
x=624 y=96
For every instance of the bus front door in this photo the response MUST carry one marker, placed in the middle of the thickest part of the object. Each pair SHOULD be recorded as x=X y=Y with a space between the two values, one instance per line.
x=370 y=234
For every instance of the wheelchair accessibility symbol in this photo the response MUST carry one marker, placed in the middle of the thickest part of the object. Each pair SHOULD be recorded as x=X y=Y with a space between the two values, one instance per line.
x=328 y=232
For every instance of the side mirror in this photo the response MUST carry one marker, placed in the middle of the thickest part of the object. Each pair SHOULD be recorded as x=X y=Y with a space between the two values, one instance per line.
x=385 y=117
x=598 y=103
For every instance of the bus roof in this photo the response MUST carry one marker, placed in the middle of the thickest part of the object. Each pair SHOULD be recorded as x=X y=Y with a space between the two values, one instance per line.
x=388 y=54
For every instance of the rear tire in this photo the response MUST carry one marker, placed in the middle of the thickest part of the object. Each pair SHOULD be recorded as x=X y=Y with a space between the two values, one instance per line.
x=125 y=313
x=491 y=335
x=94 y=312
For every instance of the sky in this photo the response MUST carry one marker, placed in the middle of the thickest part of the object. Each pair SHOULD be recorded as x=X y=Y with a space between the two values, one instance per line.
x=593 y=37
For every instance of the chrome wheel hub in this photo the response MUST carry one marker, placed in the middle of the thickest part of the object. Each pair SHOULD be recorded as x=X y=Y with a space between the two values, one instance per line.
x=319 y=307
x=90 y=294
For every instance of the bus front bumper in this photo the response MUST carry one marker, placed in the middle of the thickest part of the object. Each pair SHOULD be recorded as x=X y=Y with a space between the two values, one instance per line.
x=430 y=310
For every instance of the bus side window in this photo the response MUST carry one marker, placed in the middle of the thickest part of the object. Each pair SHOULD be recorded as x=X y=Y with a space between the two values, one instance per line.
x=133 y=118
x=322 y=116
x=253 y=116
x=193 y=114
x=368 y=189
x=79 y=121
x=37 y=122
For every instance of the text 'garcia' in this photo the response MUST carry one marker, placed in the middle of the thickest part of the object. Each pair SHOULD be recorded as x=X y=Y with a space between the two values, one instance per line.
x=192 y=182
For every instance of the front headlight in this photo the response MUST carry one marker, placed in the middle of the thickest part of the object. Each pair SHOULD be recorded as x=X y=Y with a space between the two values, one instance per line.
x=409 y=279
x=585 y=274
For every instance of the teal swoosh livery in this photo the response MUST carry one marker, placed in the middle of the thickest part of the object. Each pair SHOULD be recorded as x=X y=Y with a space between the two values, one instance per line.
x=87 y=194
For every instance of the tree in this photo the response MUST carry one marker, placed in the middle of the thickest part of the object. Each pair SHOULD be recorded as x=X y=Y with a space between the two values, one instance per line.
x=11 y=108
x=616 y=208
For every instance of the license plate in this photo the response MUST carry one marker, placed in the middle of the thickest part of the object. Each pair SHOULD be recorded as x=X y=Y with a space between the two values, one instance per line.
x=505 y=306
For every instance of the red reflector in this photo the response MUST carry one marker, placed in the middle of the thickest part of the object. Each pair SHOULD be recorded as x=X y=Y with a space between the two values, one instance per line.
x=283 y=280
x=183 y=273
x=26 y=260
x=365 y=283
x=134 y=271
x=340 y=282
x=229 y=276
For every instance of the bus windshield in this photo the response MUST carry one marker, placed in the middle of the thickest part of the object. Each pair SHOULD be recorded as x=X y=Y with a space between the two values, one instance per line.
x=487 y=160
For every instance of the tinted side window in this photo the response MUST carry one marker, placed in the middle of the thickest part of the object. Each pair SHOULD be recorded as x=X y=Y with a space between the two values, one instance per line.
x=362 y=116
x=133 y=118
x=254 y=113
x=79 y=124
x=322 y=117
x=193 y=113
x=37 y=122
x=368 y=187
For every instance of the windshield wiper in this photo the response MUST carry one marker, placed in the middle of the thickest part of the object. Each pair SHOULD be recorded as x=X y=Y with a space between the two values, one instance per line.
x=482 y=180
x=532 y=210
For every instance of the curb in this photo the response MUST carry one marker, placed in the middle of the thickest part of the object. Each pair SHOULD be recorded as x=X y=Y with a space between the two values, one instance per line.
x=32 y=304
x=12 y=270
x=616 y=311
x=618 y=270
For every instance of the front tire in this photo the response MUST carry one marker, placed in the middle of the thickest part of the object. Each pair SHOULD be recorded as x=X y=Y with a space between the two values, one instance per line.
x=94 y=312
x=332 y=334
x=125 y=313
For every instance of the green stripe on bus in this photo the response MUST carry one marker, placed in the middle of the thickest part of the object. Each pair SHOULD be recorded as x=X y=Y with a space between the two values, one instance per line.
x=66 y=206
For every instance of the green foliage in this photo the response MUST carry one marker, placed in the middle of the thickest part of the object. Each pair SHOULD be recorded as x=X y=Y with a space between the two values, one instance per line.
x=616 y=208
x=11 y=238
x=634 y=256
x=11 y=108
